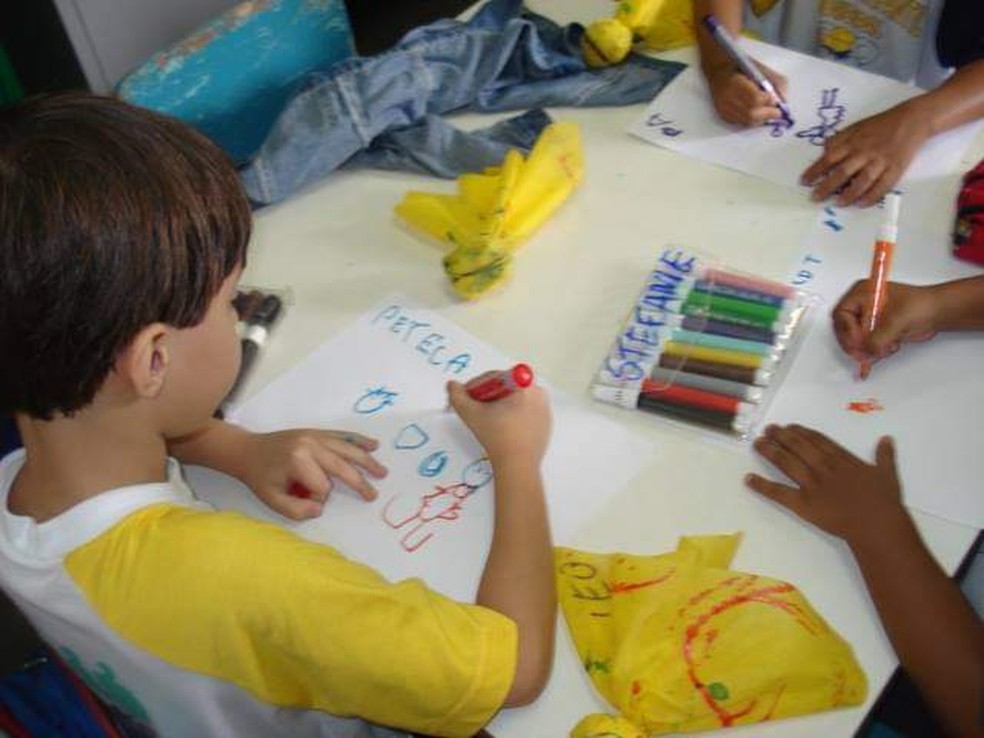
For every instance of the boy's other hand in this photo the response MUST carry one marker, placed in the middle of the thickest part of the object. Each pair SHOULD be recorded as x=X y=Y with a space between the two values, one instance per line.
x=514 y=428
x=866 y=160
x=832 y=488
x=313 y=459
x=738 y=101
x=910 y=316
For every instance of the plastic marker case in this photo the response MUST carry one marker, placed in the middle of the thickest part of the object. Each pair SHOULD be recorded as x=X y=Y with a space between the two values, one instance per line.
x=704 y=344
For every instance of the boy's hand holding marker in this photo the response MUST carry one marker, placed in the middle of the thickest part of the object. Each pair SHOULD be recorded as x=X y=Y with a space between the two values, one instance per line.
x=744 y=91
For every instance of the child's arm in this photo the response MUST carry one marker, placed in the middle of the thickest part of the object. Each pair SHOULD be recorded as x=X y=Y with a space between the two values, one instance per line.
x=868 y=158
x=518 y=578
x=268 y=463
x=936 y=634
x=736 y=98
x=912 y=313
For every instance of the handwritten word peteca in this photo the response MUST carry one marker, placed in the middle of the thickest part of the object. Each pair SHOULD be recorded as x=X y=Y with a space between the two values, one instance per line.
x=432 y=346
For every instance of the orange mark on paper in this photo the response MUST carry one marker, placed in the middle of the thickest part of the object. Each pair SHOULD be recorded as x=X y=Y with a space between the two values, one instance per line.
x=865 y=406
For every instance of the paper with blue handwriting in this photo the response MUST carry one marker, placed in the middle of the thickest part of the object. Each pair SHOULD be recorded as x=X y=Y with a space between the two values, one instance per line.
x=927 y=396
x=825 y=97
x=385 y=376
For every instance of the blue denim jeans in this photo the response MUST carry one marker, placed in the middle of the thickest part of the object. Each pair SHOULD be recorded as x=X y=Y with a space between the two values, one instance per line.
x=388 y=106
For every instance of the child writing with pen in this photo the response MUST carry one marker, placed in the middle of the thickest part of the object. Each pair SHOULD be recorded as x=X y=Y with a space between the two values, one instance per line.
x=865 y=160
x=122 y=237
x=938 y=637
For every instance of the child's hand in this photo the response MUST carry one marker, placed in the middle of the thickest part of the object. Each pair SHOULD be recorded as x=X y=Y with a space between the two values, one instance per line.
x=910 y=315
x=739 y=101
x=514 y=428
x=314 y=459
x=868 y=159
x=833 y=489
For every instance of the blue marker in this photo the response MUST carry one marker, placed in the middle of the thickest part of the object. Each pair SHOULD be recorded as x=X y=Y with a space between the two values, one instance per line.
x=745 y=65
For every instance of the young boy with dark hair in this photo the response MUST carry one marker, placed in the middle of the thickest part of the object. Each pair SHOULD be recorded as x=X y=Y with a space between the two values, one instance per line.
x=122 y=237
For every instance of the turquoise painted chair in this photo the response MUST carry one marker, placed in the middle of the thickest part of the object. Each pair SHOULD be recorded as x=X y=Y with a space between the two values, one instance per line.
x=232 y=77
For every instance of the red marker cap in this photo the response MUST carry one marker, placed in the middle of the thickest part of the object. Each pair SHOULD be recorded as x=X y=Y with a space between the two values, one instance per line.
x=496 y=385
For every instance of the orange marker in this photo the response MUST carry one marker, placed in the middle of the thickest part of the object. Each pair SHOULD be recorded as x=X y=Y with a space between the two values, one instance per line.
x=881 y=262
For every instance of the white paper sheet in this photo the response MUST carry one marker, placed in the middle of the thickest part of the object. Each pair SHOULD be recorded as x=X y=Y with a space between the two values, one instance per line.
x=931 y=395
x=824 y=97
x=385 y=377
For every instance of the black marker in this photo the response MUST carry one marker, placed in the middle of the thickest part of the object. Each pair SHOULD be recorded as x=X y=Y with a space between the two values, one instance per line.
x=254 y=337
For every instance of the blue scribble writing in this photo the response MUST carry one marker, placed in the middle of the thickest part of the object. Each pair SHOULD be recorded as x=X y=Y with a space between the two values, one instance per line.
x=831 y=221
x=432 y=346
x=666 y=127
x=778 y=126
x=433 y=464
x=805 y=276
x=410 y=437
x=831 y=115
x=375 y=400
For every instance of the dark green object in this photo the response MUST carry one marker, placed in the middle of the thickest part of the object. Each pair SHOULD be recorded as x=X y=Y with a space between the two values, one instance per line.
x=10 y=89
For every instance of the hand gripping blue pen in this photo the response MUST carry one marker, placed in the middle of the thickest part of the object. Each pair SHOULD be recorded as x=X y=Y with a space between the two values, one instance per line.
x=745 y=65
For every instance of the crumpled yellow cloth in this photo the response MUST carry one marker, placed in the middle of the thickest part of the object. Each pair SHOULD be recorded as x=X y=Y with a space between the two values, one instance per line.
x=495 y=211
x=679 y=642
x=659 y=25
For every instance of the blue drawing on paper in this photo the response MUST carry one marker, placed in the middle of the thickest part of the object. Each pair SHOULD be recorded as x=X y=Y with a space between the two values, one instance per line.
x=433 y=464
x=410 y=437
x=831 y=115
x=831 y=221
x=778 y=126
x=478 y=473
x=666 y=126
x=375 y=400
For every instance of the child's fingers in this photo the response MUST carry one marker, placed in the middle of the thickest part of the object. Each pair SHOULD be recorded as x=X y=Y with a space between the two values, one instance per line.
x=803 y=444
x=788 y=497
x=356 y=439
x=360 y=457
x=308 y=480
x=770 y=448
x=297 y=508
x=838 y=177
x=458 y=397
x=862 y=181
x=343 y=469
x=832 y=156
x=885 y=456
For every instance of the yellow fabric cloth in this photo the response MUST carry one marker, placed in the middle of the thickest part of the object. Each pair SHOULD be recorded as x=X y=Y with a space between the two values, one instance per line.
x=661 y=24
x=295 y=623
x=497 y=210
x=679 y=642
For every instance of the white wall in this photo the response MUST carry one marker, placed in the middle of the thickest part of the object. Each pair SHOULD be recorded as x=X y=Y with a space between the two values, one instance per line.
x=111 y=37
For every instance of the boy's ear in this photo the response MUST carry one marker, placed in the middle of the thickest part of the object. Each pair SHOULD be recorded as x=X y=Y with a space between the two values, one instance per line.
x=144 y=363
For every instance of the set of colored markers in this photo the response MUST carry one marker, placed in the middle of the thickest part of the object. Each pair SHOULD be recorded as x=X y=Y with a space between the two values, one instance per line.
x=703 y=344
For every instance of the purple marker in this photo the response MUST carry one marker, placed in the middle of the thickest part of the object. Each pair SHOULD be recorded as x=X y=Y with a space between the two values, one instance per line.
x=745 y=65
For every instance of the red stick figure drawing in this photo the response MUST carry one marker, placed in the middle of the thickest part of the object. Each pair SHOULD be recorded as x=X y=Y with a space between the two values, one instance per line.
x=444 y=503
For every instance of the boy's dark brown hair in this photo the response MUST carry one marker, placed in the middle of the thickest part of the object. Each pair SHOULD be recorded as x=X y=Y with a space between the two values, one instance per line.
x=111 y=218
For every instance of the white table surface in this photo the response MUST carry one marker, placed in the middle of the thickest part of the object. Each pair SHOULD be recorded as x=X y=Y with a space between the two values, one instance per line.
x=338 y=249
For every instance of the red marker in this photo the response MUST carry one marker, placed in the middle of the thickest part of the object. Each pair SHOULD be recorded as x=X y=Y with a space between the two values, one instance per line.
x=497 y=384
x=296 y=489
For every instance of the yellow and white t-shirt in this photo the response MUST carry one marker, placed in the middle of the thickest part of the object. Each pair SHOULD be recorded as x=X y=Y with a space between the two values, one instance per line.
x=193 y=622
x=889 y=37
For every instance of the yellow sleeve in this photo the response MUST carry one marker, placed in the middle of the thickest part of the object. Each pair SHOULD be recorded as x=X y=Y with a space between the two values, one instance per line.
x=294 y=622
